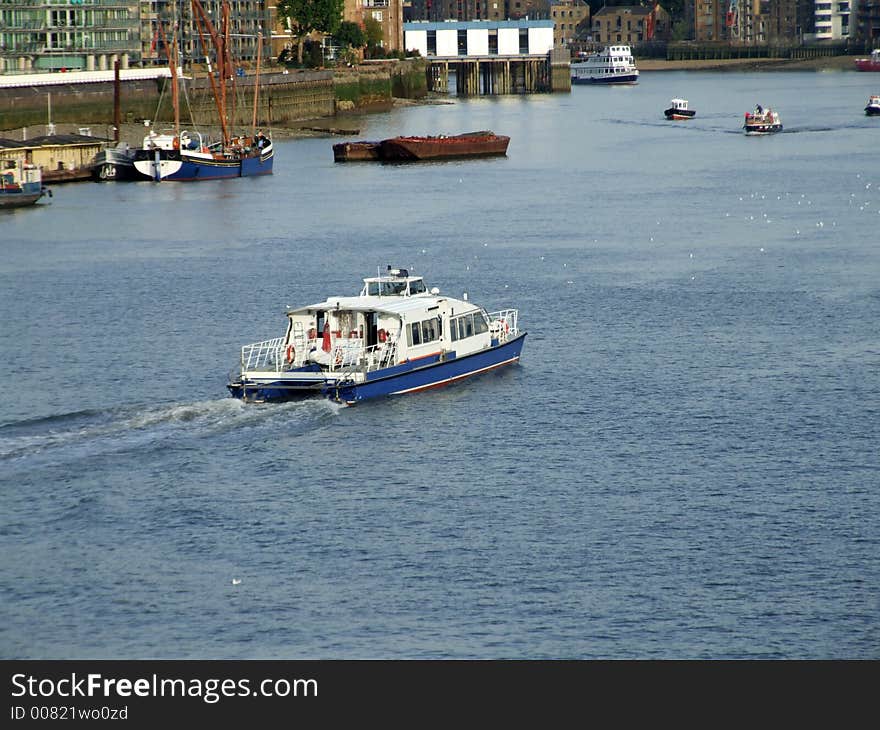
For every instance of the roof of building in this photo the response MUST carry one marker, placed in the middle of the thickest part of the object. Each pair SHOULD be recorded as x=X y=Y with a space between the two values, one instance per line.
x=623 y=10
x=475 y=24
x=81 y=77
x=52 y=140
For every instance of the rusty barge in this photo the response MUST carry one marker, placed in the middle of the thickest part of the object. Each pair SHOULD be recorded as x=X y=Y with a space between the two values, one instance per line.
x=406 y=149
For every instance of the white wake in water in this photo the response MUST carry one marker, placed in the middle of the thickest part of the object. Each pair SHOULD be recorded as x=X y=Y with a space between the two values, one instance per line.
x=97 y=432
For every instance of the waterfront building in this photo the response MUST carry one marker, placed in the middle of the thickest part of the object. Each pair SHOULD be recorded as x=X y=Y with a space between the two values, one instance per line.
x=479 y=38
x=437 y=10
x=388 y=13
x=630 y=24
x=250 y=19
x=868 y=23
x=567 y=16
x=60 y=157
x=87 y=35
x=91 y=35
x=746 y=22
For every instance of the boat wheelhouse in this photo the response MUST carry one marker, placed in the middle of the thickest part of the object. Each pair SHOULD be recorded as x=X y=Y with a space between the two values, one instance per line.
x=114 y=163
x=396 y=336
x=678 y=109
x=611 y=65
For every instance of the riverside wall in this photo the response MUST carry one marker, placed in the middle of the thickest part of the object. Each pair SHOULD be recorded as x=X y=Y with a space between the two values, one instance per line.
x=284 y=97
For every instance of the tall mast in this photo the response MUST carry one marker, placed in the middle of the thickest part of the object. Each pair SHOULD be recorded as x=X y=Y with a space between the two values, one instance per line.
x=206 y=27
x=227 y=63
x=257 y=83
x=117 y=115
x=172 y=65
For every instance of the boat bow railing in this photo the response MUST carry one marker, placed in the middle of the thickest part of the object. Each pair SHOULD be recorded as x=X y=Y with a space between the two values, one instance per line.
x=504 y=324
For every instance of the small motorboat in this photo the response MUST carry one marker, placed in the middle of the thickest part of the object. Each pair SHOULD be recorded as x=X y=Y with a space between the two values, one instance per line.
x=21 y=184
x=678 y=109
x=762 y=121
x=396 y=337
x=872 y=108
x=872 y=63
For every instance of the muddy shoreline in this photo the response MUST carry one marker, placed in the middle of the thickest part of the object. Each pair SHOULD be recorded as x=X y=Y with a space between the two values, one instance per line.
x=820 y=63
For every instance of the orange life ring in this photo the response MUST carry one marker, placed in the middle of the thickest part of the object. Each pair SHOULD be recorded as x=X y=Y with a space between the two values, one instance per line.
x=176 y=143
x=313 y=333
x=383 y=335
x=291 y=353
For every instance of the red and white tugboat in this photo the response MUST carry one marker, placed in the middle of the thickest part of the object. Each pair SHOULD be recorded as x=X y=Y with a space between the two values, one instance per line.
x=762 y=121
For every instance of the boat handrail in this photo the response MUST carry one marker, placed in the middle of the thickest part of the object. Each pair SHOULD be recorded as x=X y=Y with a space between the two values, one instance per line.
x=349 y=355
x=265 y=355
x=504 y=323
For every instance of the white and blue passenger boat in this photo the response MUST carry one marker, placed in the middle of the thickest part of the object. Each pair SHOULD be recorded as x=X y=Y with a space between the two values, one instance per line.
x=611 y=65
x=395 y=337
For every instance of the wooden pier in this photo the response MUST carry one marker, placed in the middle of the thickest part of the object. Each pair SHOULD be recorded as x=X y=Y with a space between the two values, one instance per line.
x=494 y=75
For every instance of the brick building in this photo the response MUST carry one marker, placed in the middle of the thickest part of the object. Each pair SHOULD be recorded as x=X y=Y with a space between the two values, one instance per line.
x=567 y=16
x=630 y=24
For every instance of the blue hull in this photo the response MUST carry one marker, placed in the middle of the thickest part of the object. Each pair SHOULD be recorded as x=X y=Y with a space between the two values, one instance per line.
x=622 y=79
x=427 y=373
x=279 y=390
x=197 y=169
x=27 y=194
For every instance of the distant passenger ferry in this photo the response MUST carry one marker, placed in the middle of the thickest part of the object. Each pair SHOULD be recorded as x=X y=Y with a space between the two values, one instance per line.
x=611 y=65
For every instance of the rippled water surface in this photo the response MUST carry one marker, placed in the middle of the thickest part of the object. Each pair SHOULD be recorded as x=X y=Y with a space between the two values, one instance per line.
x=684 y=465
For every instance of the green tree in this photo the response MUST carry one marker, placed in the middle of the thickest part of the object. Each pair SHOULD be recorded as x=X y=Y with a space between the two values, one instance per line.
x=306 y=16
x=373 y=35
x=350 y=35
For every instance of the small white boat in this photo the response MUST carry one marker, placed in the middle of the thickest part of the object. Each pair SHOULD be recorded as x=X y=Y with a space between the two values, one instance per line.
x=395 y=337
x=611 y=65
x=21 y=184
x=678 y=109
x=762 y=121
x=872 y=108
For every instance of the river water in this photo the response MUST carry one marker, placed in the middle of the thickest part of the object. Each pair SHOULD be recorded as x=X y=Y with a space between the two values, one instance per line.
x=684 y=464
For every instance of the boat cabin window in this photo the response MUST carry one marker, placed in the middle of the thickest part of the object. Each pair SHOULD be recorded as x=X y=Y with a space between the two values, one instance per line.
x=468 y=325
x=386 y=288
x=420 y=333
x=394 y=287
